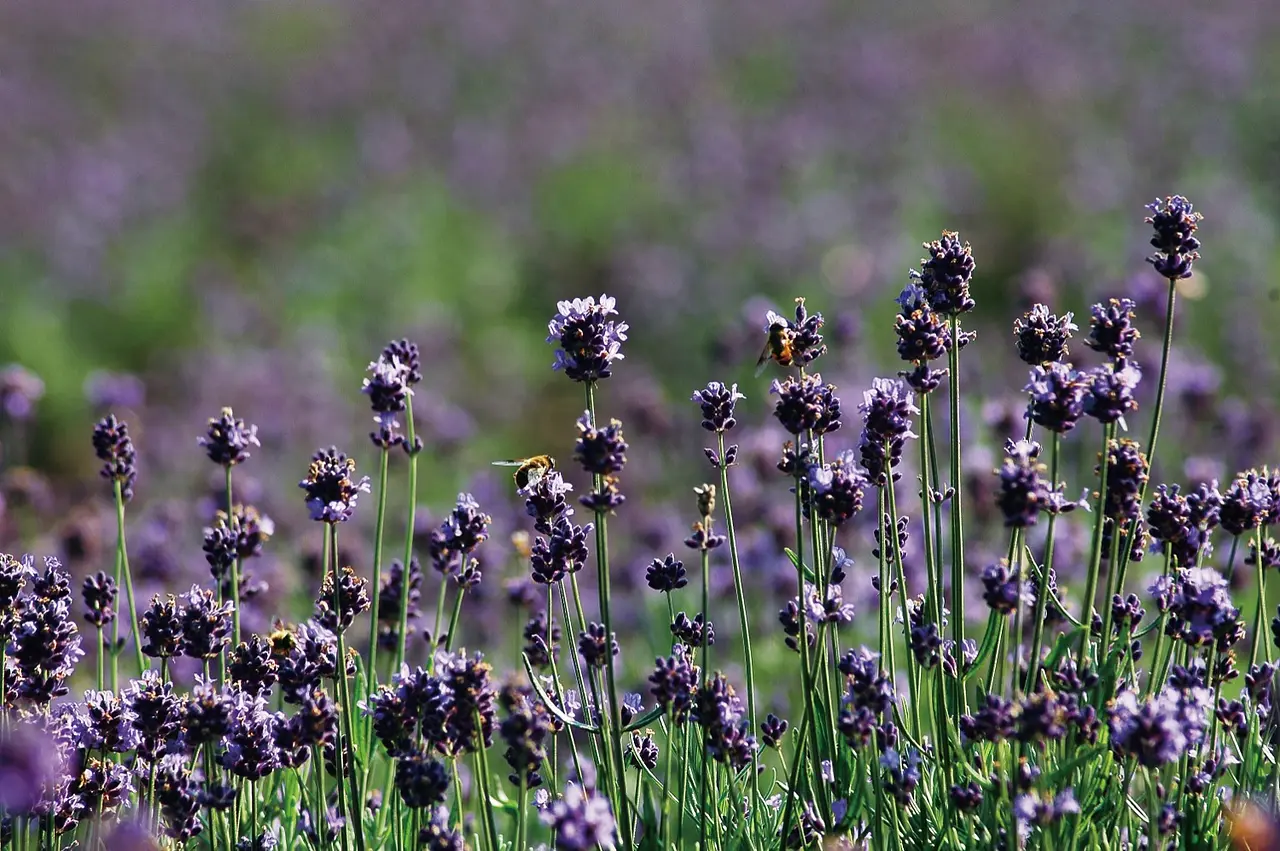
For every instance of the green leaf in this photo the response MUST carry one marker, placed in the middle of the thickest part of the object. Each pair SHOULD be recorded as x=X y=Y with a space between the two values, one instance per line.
x=801 y=566
x=551 y=704
x=644 y=720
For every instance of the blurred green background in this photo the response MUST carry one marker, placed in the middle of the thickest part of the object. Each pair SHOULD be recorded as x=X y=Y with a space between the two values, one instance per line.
x=239 y=203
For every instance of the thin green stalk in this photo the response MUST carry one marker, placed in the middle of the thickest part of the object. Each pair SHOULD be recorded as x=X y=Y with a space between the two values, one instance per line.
x=666 y=787
x=123 y=555
x=402 y=636
x=577 y=663
x=957 y=514
x=1259 y=618
x=521 y=821
x=371 y=676
x=706 y=675
x=330 y=562
x=1018 y=636
x=1095 y=549
x=1042 y=597
x=743 y=617
x=235 y=580
x=614 y=714
x=482 y=773
x=889 y=538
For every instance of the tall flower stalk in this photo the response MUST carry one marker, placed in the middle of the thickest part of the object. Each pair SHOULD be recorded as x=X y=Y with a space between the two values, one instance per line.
x=114 y=447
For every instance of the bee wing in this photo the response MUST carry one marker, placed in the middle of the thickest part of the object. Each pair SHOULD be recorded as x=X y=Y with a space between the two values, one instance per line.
x=514 y=462
x=534 y=476
x=762 y=363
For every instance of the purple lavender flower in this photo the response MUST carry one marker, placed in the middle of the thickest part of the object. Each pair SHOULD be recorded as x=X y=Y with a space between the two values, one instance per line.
x=562 y=552
x=1176 y=248
x=772 y=730
x=1057 y=397
x=207 y=714
x=331 y=492
x=1109 y=391
x=1023 y=493
x=45 y=644
x=252 y=666
x=228 y=439
x=718 y=401
x=1183 y=523
x=579 y=822
x=205 y=624
x=99 y=592
x=438 y=835
x=114 y=447
x=1198 y=600
x=388 y=388
x=161 y=625
x=589 y=341
x=805 y=404
x=946 y=274
x=1042 y=337
x=1246 y=503
x=389 y=599
x=993 y=721
x=596 y=646
x=250 y=743
x=545 y=502
x=1031 y=810
x=105 y=723
x=1002 y=588
x=719 y=710
x=922 y=333
x=666 y=574
x=526 y=729
x=693 y=631
x=537 y=633
x=1111 y=329
x=1127 y=472
x=461 y=532
x=673 y=683
x=834 y=491
x=340 y=603
x=468 y=718
x=600 y=451
x=421 y=780
x=1160 y=729
x=887 y=408
x=157 y=712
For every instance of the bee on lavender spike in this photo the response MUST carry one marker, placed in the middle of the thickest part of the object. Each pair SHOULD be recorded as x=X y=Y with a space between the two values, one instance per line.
x=529 y=471
x=777 y=347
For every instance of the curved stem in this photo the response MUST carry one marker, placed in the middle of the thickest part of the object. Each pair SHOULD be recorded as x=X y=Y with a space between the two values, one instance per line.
x=1095 y=549
x=957 y=514
x=371 y=675
x=122 y=550
x=402 y=635
x=1042 y=597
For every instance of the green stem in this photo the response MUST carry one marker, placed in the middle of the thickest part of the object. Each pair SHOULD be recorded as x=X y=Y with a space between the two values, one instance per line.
x=889 y=538
x=235 y=579
x=957 y=514
x=1095 y=549
x=482 y=774
x=340 y=674
x=1259 y=618
x=706 y=675
x=123 y=551
x=371 y=675
x=1042 y=597
x=614 y=714
x=402 y=636
x=740 y=593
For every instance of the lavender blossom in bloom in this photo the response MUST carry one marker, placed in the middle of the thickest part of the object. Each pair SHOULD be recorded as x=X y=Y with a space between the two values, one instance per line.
x=666 y=574
x=1183 y=523
x=252 y=666
x=250 y=743
x=1023 y=494
x=1111 y=329
x=600 y=451
x=542 y=640
x=806 y=341
x=1176 y=248
x=339 y=604
x=946 y=274
x=1127 y=472
x=1160 y=729
x=1003 y=588
x=388 y=389
x=562 y=552
x=331 y=493
x=1031 y=810
x=526 y=729
x=461 y=532
x=718 y=401
x=1198 y=600
x=545 y=502
x=421 y=780
x=468 y=711
x=157 y=712
x=886 y=410
x=772 y=730
x=438 y=835
x=206 y=716
x=834 y=491
x=1042 y=337
x=105 y=723
x=1109 y=391
x=161 y=626
x=595 y=646
x=589 y=342
x=1245 y=504
x=20 y=389
x=673 y=683
x=206 y=624
x=923 y=336
x=45 y=644
x=228 y=439
x=99 y=593
x=1057 y=397
x=579 y=822
x=805 y=404
x=114 y=447
x=693 y=631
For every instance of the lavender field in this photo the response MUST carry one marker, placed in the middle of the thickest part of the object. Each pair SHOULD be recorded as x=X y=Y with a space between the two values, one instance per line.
x=800 y=426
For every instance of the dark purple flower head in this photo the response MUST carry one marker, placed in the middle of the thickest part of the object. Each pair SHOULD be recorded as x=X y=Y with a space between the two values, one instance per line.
x=406 y=354
x=1160 y=729
x=1057 y=397
x=600 y=451
x=541 y=640
x=1246 y=504
x=806 y=341
x=105 y=723
x=718 y=401
x=99 y=592
x=45 y=642
x=438 y=834
x=805 y=404
x=1176 y=248
x=589 y=340
x=161 y=627
x=1023 y=493
x=421 y=780
x=1111 y=329
x=341 y=602
x=545 y=500
x=994 y=721
x=887 y=408
x=666 y=574
x=228 y=439
x=1042 y=337
x=1270 y=554
x=13 y=578
x=1002 y=588
x=461 y=532
x=526 y=730
x=252 y=666
x=157 y=712
x=834 y=491
x=562 y=552
x=673 y=682
x=390 y=600
x=693 y=631
x=579 y=822
x=719 y=710
x=387 y=388
x=331 y=491
x=220 y=549
x=114 y=448
x=772 y=731
x=1198 y=600
x=1034 y=810
x=207 y=714
x=205 y=624
x=946 y=274
x=1109 y=391
x=1127 y=472
x=923 y=335
x=250 y=742
x=596 y=646
x=304 y=656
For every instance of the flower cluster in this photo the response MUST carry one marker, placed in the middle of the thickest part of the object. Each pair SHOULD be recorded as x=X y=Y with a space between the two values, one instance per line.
x=589 y=341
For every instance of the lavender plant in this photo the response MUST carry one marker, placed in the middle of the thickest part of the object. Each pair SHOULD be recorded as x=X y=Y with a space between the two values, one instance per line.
x=1131 y=719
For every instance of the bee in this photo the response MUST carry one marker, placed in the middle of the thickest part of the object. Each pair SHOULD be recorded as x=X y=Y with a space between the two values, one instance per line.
x=282 y=640
x=529 y=471
x=1252 y=827
x=777 y=347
